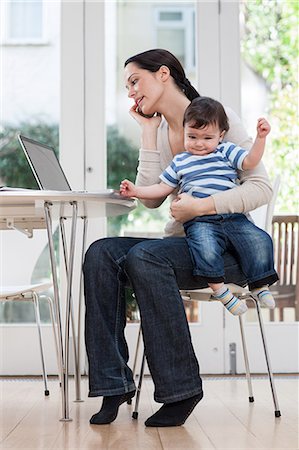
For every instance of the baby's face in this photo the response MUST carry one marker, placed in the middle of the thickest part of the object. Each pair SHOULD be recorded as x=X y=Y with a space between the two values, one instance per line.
x=202 y=141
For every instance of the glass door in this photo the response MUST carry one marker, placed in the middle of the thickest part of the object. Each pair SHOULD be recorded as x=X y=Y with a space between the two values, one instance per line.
x=269 y=86
x=30 y=80
x=30 y=104
x=172 y=26
x=212 y=62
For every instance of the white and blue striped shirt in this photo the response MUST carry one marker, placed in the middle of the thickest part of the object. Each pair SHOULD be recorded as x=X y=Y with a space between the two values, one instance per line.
x=203 y=176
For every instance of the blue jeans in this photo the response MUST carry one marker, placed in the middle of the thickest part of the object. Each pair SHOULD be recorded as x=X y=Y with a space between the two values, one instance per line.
x=209 y=237
x=156 y=269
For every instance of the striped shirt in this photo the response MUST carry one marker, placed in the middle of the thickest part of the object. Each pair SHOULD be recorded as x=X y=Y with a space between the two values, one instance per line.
x=203 y=176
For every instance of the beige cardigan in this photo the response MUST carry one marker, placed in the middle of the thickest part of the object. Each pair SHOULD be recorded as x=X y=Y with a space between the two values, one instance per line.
x=254 y=190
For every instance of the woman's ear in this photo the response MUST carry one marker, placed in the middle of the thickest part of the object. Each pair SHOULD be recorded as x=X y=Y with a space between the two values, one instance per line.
x=164 y=73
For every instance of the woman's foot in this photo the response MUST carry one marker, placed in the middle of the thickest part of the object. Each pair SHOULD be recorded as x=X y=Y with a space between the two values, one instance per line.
x=109 y=409
x=173 y=414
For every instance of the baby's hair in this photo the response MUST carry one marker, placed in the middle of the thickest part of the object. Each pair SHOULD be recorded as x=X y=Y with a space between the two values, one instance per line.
x=204 y=111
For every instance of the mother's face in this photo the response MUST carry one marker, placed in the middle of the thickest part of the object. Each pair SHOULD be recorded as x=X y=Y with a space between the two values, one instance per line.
x=144 y=87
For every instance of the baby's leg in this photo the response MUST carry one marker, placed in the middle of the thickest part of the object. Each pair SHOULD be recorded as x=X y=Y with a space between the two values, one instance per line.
x=255 y=252
x=228 y=299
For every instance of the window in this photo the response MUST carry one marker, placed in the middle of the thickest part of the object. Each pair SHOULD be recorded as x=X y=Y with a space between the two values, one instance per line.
x=269 y=86
x=30 y=103
x=175 y=30
x=24 y=22
x=155 y=25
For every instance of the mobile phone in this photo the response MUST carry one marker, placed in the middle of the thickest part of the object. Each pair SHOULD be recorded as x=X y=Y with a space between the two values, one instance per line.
x=148 y=116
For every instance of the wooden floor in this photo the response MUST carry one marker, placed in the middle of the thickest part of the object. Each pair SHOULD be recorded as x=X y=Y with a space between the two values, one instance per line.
x=224 y=419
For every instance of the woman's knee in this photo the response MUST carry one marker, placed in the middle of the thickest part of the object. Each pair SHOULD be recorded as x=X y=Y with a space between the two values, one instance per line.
x=142 y=257
x=134 y=258
x=96 y=253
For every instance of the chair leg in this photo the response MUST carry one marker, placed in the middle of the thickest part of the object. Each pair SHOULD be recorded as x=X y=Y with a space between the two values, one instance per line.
x=37 y=318
x=246 y=360
x=52 y=314
x=136 y=351
x=275 y=401
x=129 y=402
x=135 y=412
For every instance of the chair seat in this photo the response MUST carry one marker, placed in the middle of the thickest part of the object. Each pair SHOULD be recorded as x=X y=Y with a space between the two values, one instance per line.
x=18 y=290
x=205 y=294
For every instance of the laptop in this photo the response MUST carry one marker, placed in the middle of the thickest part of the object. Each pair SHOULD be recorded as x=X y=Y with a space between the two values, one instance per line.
x=46 y=167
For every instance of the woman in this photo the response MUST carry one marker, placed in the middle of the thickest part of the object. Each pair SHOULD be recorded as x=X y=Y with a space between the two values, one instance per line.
x=156 y=269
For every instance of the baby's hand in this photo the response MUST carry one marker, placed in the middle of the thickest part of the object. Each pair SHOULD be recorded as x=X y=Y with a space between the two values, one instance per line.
x=127 y=188
x=263 y=127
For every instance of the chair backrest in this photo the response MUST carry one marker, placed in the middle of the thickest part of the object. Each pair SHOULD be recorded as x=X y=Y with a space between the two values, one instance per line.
x=271 y=205
x=286 y=254
x=19 y=255
x=263 y=215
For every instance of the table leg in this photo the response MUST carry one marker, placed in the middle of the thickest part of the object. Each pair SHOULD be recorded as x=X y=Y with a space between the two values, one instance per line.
x=75 y=345
x=63 y=378
x=69 y=295
x=77 y=368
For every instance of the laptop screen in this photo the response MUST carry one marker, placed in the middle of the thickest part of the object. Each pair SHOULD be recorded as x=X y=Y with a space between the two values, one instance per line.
x=44 y=165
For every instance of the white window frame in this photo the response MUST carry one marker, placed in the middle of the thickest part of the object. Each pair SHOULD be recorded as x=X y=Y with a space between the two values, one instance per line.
x=83 y=130
x=218 y=52
x=187 y=23
x=4 y=33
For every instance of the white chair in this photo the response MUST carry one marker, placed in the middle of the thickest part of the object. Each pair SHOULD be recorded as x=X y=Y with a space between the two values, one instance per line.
x=265 y=215
x=30 y=293
x=15 y=280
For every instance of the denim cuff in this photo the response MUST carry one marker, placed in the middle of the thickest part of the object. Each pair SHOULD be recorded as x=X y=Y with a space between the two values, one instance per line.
x=110 y=392
x=178 y=397
x=270 y=279
x=210 y=279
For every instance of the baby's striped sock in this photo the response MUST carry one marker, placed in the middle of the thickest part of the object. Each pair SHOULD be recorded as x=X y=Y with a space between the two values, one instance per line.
x=264 y=296
x=231 y=303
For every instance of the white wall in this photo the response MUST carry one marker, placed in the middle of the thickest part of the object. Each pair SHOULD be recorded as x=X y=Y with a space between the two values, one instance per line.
x=30 y=74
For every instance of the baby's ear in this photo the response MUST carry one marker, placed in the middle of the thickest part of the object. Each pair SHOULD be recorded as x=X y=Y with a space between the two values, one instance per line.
x=221 y=136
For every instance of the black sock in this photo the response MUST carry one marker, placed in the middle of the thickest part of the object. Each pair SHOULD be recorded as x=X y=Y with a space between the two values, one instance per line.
x=109 y=409
x=173 y=414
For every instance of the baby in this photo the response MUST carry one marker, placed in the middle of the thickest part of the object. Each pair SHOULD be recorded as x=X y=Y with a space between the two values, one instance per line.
x=206 y=166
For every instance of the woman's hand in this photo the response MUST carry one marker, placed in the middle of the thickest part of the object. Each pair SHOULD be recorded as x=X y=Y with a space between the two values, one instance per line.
x=144 y=121
x=149 y=128
x=185 y=207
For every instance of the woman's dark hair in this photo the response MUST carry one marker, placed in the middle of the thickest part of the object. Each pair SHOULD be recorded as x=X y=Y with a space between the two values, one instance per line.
x=204 y=111
x=152 y=60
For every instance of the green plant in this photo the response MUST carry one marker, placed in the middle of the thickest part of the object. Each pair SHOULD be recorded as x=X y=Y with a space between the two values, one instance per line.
x=122 y=160
x=270 y=48
x=14 y=168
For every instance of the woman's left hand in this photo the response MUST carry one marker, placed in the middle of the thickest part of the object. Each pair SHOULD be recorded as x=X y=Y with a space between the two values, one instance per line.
x=185 y=207
x=151 y=122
